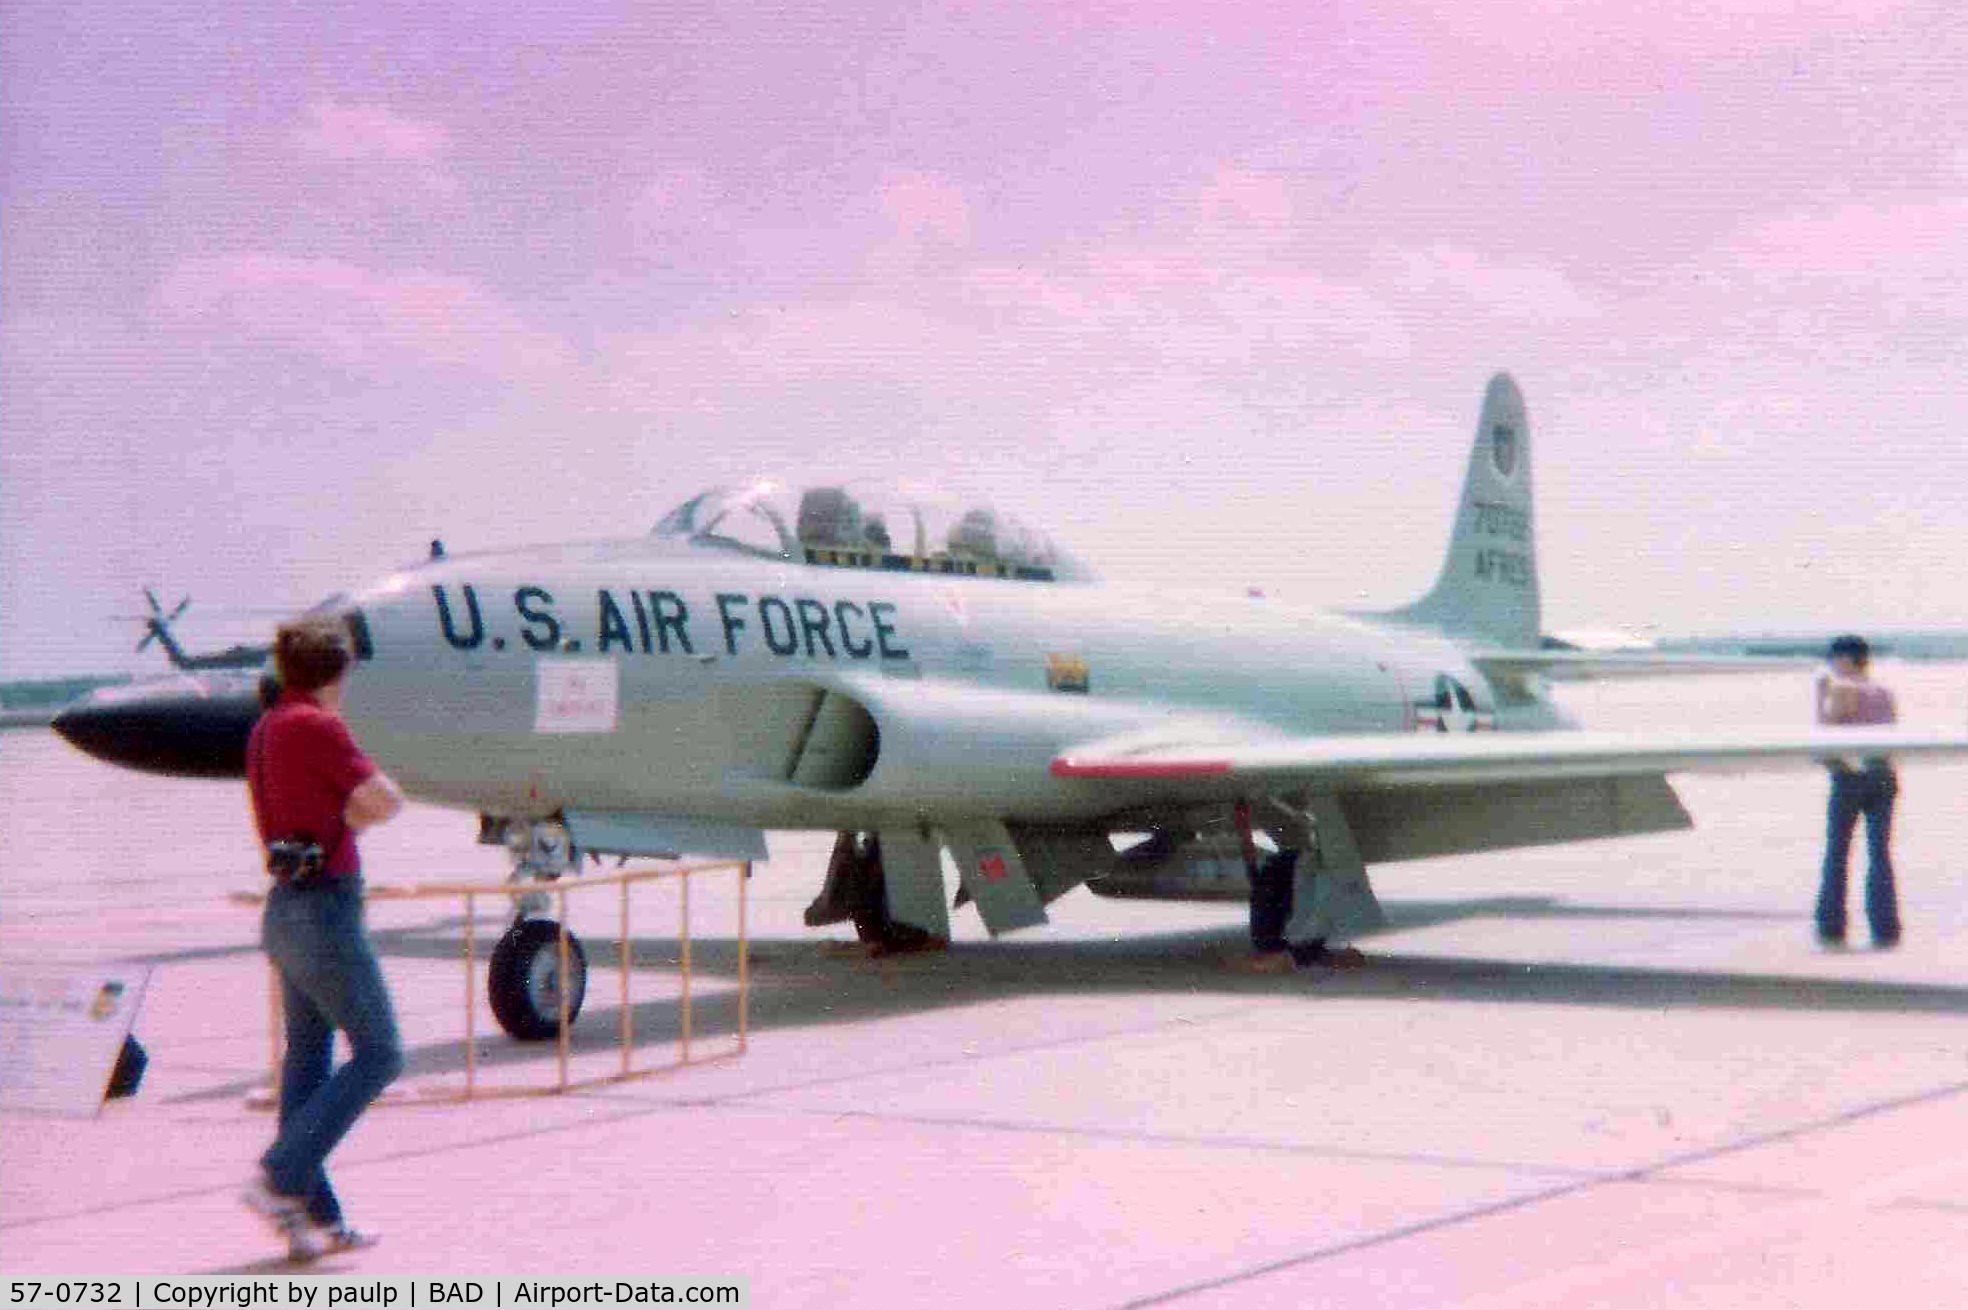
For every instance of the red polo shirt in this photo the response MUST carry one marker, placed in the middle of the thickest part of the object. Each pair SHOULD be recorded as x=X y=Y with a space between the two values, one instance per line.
x=301 y=766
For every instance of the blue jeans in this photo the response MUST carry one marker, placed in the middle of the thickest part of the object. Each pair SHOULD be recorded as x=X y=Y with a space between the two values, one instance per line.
x=329 y=979
x=1869 y=791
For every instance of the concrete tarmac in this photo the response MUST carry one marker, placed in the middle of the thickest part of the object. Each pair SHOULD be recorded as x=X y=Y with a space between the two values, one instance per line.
x=1615 y=1074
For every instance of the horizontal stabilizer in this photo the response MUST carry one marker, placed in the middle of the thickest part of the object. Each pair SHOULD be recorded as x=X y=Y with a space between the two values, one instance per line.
x=1594 y=666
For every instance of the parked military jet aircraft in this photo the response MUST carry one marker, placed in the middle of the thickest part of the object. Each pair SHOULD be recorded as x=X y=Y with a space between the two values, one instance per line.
x=941 y=678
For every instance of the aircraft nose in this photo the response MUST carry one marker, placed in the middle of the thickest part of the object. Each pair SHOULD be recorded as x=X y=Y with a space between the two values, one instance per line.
x=184 y=732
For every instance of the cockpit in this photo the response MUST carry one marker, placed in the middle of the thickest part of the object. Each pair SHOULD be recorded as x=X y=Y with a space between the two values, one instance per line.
x=870 y=526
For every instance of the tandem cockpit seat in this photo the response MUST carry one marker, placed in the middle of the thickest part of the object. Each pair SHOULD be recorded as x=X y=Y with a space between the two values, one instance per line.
x=872 y=526
x=828 y=516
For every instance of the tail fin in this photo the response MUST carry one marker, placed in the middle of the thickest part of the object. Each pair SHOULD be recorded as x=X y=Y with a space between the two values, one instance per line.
x=1488 y=587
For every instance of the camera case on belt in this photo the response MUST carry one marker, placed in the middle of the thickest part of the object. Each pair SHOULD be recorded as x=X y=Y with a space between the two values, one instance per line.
x=294 y=860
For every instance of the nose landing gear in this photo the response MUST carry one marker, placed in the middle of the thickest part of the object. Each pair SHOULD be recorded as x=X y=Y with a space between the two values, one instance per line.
x=525 y=980
x=524 y=983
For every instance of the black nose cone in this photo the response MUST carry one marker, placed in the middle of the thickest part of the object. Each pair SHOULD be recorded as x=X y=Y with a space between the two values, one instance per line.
x=187 y=728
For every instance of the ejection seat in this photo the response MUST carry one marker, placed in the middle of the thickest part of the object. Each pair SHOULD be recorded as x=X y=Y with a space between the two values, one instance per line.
x=975 y=535
x=831 y=519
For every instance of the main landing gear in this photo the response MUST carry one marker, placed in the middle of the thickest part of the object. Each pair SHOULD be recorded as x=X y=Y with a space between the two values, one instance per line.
x=857 y=889
x=526 y=979
x=1308 y=892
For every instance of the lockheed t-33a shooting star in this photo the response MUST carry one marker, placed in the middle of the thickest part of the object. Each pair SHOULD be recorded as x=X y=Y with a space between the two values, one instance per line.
x=923 y=678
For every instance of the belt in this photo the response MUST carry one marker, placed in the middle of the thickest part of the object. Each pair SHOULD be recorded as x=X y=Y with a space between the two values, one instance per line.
x=303 y=882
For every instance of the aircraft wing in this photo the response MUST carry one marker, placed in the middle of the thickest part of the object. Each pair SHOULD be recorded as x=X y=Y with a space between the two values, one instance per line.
x=1588 y=665
x=1396 y=760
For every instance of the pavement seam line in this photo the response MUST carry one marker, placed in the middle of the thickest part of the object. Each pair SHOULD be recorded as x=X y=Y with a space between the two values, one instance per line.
x=1640 y=1173
x=1177 y=1139
x=392 y=1157
x=734 y=1101
x=958 y=1061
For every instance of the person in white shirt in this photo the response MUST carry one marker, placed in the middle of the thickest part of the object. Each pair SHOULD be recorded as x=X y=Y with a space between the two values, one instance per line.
x=1846 y=694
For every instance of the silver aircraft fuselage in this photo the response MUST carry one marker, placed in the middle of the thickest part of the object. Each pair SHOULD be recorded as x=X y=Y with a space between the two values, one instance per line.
x=670 y=677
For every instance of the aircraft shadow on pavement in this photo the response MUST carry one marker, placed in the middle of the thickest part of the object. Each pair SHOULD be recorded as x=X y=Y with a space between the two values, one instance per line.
x=812 y=983
x=1402 y=916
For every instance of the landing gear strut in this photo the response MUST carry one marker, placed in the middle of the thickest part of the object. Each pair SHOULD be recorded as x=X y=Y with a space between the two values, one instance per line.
x=524 y=981
x=856 y=889
x=1312 y=887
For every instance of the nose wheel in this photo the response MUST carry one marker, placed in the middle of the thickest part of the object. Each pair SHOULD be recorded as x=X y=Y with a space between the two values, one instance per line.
x=524 y=983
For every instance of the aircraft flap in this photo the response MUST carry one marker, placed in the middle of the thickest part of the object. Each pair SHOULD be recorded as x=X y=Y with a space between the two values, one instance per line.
x=1059 y=860
x=615 y=832
x=994 y=874
x=1413 y=824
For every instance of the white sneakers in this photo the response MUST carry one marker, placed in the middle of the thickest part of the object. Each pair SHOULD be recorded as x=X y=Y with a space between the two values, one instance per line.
x=287 y=1215
x=340 y=1238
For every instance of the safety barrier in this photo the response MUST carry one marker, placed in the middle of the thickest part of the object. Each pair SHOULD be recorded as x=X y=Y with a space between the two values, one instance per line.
x=622 y=880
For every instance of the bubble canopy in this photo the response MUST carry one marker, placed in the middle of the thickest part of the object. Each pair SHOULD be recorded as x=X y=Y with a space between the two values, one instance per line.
x=895 y=527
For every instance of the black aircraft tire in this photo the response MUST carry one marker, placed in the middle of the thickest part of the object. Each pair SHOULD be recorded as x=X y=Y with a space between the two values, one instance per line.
x=520 y=980
x=867 y=894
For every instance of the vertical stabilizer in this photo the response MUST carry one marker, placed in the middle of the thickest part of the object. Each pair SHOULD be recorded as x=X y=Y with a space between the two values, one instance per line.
x=1488 y=587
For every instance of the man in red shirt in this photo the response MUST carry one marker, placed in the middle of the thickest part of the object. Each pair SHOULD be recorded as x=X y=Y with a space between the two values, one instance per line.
x=312 y=790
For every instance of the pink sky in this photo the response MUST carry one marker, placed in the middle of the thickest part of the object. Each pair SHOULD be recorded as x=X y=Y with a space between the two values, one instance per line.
x=289 y=292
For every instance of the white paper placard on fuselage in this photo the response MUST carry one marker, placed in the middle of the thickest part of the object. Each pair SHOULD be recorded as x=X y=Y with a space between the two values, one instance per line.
x=60 y=1033
x=575 y=695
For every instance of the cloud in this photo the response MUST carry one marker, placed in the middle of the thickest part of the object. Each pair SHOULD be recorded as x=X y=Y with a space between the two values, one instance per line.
x=1044 y=333
x=1244 y=199
x=1218 y=288
x=1589 y=45
x=1873 y=281
x=357 y=318
x=1515 y=291
x=680 y=192
x=923 y=206
x=1205 y=307
x=1066 y=368
x=339 y=131
x=1913 y=250
x=406 y=154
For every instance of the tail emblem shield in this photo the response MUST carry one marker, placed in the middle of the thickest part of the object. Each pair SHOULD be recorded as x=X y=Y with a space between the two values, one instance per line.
x=1503 y=448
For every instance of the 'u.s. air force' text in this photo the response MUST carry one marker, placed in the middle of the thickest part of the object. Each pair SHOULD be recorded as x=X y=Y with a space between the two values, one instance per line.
x=659 y=622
